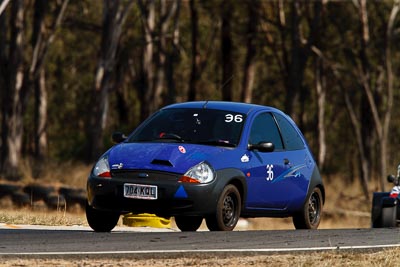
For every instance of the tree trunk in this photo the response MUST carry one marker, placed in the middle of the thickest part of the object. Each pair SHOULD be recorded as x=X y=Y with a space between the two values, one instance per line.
x=388 y=112
x=3 y=6
x=249 y=65
x=15 y=95
x=321 y=102
x=199 y=60
x=364 y=163
x=381 y=121
x=121 y=94
x=3 y=83
x=367 y=112
x=41 y=41
x=114 y=17
x=297 y=64
x=155 y=53
x=167 y=13
x=292 y=55
x=38 y=83
x=147 y=76
x=194 y=75
x=227 y=52
x=173 y=56
x=40 y=117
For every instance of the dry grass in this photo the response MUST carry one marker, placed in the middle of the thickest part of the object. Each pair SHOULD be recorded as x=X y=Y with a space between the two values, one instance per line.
x=52 y=218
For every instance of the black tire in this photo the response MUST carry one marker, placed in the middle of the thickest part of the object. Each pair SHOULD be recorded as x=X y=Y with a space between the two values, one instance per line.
x=21 y=199
x=376 y=211
x=227 y=212
x=188 y=223
x=56 y=202
x=389 y=217
x=310 y=217
x=74 y=196
x=38 y=192
x=101 y=221
x=8 y=189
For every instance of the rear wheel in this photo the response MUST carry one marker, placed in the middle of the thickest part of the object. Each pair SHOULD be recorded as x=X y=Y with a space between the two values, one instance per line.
x=389 y=217
x=188 y=223
x=101 y=221
x=310 y=216
x=228 y=211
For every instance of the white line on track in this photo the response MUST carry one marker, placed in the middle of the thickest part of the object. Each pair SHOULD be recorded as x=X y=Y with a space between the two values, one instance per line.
x=150 y=229
x=266 y=250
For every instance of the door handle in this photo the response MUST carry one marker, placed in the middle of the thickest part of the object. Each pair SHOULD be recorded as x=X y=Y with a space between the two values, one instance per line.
x=286 y=161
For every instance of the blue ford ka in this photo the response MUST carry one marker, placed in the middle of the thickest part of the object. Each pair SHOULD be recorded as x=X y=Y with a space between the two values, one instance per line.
x=211 y=160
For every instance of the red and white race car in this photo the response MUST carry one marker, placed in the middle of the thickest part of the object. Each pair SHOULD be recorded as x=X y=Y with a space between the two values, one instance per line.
x=386 y=205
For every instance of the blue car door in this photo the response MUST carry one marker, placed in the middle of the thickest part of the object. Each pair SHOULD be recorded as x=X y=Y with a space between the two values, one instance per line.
x=266 y=167
x=279 y=179
x=300 y=163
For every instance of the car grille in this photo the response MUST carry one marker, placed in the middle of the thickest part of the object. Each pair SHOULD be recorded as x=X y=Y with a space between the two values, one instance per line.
x=145 y=175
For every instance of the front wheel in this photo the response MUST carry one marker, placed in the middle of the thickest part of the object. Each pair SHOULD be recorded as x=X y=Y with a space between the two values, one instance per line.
x=310 y=216
x=389 y=217
x=101 y=221
x=228 y=210
x=188 y=223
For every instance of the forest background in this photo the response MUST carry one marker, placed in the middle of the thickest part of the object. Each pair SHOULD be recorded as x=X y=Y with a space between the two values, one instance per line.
x=73 y=72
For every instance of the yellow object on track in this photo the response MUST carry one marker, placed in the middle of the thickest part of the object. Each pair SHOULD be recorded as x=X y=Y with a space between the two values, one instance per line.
x=145 y=219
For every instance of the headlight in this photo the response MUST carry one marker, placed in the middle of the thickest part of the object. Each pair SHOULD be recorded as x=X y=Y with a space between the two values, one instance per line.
x=200 y=173
x=102 y=168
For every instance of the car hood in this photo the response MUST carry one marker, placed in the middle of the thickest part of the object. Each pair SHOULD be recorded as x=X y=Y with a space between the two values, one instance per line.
x=171 y=157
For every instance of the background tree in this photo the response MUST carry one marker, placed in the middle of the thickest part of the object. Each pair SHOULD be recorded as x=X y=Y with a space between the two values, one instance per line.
x=227 y=51
x=114 y=16
x=291 y=36
x=332 y=65
x=369 y=63
x=22 y=79
x=15 y=93
x=253 y=8
x=42 y=38
x=202 y=45
x=153 y=69
x=195 y=61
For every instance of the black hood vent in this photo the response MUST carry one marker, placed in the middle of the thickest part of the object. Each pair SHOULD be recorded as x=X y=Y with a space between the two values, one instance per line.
x=162 y=162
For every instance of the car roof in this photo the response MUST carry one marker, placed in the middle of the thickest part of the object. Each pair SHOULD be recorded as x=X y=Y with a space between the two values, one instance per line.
x=239 y=107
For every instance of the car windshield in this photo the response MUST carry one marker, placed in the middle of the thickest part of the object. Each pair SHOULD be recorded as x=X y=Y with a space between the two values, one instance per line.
x=200 y=126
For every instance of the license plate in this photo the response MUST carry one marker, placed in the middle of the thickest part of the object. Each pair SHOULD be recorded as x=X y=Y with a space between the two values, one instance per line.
x=140 y=191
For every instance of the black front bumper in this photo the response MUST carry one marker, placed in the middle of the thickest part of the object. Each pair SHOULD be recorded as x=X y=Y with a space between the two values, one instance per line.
x=198 y=199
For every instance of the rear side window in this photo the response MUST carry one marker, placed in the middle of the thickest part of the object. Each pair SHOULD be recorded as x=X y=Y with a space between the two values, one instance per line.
x=264 y=129
x=291 y=138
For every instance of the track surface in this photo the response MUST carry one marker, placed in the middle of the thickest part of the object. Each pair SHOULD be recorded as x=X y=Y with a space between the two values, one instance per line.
x=138 y=241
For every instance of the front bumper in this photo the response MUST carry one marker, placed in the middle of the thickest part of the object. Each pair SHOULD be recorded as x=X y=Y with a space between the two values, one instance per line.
x=195 y=199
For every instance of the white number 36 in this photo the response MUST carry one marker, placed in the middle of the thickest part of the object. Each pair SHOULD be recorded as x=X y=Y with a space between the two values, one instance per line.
x=235 y=118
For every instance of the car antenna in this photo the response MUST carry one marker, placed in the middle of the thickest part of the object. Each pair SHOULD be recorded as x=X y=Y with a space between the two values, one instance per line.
x=205 y=104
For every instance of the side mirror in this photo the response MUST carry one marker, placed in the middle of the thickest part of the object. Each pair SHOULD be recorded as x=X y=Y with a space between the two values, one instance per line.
x=262 y=147
x=118 y=137
x=390 y=178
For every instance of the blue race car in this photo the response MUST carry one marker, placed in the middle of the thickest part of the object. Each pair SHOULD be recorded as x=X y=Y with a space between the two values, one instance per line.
x=209 y=160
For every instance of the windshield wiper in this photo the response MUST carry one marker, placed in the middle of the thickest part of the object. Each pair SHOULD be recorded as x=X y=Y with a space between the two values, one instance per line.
x=217 y=143
x=171 y=136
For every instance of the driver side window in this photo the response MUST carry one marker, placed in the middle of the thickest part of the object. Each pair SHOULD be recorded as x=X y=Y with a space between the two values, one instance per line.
x=264 y=129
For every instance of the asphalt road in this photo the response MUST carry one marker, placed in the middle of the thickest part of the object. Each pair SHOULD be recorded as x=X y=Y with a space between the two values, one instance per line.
x=139 y=242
